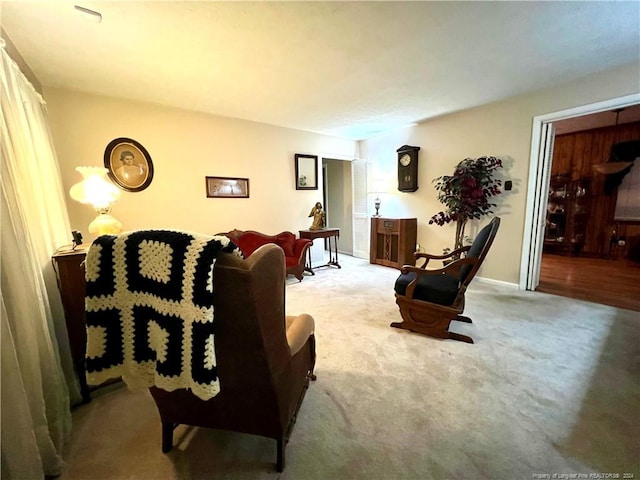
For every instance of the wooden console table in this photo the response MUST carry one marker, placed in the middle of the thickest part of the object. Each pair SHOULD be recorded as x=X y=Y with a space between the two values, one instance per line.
x=393 y=241
x=328 y=234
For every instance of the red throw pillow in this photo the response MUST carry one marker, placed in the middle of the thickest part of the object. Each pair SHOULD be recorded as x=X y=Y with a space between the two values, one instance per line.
x=286 y=241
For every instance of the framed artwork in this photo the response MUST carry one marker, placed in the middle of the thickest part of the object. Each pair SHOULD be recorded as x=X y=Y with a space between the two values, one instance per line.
x=306 y=172
x=227 y=187
x=129 y=164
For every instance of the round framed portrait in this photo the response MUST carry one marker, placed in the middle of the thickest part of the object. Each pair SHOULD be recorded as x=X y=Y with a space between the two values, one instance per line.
x=129 y=164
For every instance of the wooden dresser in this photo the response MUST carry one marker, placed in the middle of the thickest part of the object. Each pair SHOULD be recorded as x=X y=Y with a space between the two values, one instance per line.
x=69 y=268
x=393 y=241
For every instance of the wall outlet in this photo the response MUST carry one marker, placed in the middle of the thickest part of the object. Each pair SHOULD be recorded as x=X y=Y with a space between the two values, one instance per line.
x=418 y=247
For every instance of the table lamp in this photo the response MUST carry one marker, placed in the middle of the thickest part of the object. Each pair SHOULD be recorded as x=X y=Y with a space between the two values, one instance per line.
x=379 y=186
x=96 y=190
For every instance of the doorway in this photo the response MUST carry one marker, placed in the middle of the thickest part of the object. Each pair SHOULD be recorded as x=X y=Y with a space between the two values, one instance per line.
x=348 y=188
x=337 y=197
x=538 y=271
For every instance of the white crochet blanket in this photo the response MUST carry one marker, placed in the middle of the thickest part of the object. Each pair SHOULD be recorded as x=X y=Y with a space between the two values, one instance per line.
x=149 y=309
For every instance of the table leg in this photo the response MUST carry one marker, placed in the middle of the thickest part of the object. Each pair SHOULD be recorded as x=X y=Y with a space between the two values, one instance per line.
x=331 y=259
x=308 y=267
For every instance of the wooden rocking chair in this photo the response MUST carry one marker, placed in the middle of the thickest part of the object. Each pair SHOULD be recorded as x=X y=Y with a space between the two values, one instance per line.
x=430 y=299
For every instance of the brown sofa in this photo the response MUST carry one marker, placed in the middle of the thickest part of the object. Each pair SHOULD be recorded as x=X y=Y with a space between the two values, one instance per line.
x=295 y=249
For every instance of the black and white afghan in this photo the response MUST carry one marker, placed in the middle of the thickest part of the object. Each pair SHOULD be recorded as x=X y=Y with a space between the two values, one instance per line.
x=149 y=309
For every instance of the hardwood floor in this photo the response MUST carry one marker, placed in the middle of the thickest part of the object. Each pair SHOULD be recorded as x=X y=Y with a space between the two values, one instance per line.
x=609 y=282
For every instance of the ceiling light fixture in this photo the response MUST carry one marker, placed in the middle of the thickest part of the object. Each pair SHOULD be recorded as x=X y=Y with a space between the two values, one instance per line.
x=89 y=14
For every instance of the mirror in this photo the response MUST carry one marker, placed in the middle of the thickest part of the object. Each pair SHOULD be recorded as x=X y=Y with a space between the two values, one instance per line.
x=306 y=172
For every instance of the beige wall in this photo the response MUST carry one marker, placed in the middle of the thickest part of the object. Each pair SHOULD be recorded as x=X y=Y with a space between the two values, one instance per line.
x=185 y=147
x=502 y=129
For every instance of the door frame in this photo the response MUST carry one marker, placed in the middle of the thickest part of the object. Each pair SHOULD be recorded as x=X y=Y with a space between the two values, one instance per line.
x=538 y=183
x=357 y=227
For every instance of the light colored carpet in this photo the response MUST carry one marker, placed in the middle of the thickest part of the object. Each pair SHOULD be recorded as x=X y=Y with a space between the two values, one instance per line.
x=551 y=386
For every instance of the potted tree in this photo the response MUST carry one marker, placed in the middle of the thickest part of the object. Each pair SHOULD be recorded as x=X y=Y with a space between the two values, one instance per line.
x=466 y=193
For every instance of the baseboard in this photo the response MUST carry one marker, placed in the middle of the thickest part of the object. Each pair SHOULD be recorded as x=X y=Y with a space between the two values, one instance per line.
x=496 y=282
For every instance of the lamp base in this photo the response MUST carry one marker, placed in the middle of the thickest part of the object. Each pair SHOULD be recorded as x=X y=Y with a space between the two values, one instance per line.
x=105 y=224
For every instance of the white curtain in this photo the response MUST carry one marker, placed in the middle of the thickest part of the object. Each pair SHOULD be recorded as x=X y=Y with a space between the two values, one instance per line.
x=36 y=417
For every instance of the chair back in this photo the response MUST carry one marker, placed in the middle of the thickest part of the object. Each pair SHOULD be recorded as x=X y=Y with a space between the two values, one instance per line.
x=249 y=298
x=479 y=249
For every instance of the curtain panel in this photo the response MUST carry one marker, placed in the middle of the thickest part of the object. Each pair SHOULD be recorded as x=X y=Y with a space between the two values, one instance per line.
x=35 y=395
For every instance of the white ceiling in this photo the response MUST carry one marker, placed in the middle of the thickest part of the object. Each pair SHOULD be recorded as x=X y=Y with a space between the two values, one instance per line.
x=349 y=69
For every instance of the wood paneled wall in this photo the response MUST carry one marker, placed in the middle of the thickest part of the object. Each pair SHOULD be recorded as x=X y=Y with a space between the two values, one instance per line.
x=574 y=154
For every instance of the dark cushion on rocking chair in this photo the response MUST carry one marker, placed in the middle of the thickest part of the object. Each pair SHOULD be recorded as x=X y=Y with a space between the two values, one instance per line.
x=441 y=289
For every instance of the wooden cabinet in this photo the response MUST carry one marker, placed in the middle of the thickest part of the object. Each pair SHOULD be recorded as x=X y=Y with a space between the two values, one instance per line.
x=567 y=215
x=69 y=268
x=393 y=241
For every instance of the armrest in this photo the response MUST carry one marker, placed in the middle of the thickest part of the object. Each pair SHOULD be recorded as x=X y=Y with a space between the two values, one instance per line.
x=430 y=256
x=452 y=269
x=299 y=329
x=300 y=247
x=449 y=268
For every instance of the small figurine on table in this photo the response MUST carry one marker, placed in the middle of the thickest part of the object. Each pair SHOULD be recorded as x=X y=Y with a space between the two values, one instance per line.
x=318 y=217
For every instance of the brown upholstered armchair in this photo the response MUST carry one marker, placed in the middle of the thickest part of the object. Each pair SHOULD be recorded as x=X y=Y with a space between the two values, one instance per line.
x=430 y=299
x=264 y=358
x=186 y=316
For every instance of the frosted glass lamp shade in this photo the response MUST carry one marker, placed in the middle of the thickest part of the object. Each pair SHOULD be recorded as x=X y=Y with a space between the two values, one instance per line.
x=94 y=188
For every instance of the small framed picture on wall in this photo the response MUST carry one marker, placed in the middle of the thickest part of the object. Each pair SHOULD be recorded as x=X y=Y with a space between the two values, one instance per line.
x=306 y=172
x=227 y=187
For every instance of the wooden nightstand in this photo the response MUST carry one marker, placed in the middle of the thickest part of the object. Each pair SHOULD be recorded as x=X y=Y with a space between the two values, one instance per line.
x=69 y=268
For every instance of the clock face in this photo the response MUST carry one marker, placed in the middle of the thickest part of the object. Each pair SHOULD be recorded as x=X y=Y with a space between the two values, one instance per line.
x=405 y=160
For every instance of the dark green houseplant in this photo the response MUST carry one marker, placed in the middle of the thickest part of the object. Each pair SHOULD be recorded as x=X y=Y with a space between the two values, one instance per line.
x=466 y=194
